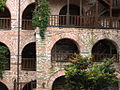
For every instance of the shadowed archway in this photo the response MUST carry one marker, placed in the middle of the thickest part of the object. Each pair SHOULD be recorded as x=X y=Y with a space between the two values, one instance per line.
x=104 y=49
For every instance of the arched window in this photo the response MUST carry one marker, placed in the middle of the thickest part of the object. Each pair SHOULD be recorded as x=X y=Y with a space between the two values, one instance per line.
x=63 y=49
x=29 y=57
x=4 y=50
x=59 y=84
x=104 y=49
x=5 y=19
x=27 y=17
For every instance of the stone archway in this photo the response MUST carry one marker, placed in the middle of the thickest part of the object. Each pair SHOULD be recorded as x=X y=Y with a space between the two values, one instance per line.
x=59 y=84
x=63 y=49
x=5 y=19
x=104 y=49
x=27 y=17
x=29 y=57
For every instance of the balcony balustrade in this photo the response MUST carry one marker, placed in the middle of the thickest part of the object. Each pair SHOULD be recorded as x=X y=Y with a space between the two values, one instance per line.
x=27 y=24
x=29 y=64
x=84 y=21
x=5 y=23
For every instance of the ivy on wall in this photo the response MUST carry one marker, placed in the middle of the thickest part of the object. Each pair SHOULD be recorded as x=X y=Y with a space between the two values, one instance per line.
x=2 y=4
x=4 y=53
x=41 y=16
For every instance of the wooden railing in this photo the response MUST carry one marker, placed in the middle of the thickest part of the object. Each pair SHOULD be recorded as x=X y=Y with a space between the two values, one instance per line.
x=27 y=24
x=28 y=64
x=99 y=57
x=84 y=21
x=5 y=23
x=115 y=3
x=60 y=57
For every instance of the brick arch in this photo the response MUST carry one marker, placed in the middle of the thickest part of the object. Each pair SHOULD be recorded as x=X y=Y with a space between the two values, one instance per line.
x=7 y=84
x=112 y=40
x=8 y=6
x=24 y=45
x=54 y=77
x=62 y=36
x=8 y=46
x=25 y=4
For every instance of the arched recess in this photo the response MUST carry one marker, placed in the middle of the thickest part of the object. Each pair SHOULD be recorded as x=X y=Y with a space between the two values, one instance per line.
x=5 y=19
x=29 y=57
x=72 y=19
x=104 y=49
x=53 y=77
x=63 y=49
x=3 y=86
x=30 y=86
x=60 y=84
x=6 y=52
x=27 y=17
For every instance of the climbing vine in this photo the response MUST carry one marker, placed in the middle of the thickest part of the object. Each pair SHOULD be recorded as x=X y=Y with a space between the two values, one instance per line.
x=4 y=53
x=41 y=16
x=2 y=4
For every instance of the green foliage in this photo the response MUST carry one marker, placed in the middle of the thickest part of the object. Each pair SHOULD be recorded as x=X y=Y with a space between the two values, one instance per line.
x=41 y=16
x=84 y=74
x=2 y=4
x=4 y=52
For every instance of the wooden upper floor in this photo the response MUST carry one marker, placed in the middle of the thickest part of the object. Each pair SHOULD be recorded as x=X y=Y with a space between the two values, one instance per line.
x=70 y=13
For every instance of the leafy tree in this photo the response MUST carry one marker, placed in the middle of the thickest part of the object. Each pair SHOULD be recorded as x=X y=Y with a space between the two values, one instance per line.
x=84 y=74
x=41 y=16
x=2 y=4
x=4 y=53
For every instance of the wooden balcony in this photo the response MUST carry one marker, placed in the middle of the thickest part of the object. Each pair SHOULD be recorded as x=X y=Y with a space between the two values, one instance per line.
x=28 y=64
x=84 y=21
x=5 y=23
x=27 y=24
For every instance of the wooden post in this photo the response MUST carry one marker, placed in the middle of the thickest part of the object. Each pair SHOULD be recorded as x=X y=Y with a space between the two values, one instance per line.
x=81 y=12
x=96 y=20
x=110 y=21
x=68 y=12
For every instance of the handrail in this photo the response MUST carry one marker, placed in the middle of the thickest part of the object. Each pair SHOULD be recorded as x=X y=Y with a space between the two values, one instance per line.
x=5 y=23
x=84 y=21
x=29 y=64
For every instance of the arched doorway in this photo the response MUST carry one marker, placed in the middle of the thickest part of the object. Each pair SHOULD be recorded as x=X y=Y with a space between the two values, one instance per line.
x=3 y=86
x=5 y=19
x=5 y=55
x=29 y=57
x=30 y=86
x=59 y=84
x=63 y=49
x=104 y=49
x=27 y=17
x=73 y=18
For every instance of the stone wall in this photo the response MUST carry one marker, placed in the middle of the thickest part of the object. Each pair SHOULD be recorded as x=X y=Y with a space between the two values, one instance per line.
x=85 y=39
x=46 y=73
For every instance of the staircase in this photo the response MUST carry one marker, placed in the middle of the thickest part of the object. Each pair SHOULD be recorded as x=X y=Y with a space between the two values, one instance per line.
x=92 y=10
x=114 y=4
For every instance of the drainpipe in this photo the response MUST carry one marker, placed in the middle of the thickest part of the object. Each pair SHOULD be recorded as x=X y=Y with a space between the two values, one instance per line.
x=68 y=12
x=18 y=57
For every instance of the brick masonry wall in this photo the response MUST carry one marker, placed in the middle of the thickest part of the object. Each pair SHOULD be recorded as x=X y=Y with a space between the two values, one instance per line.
x=46 y=73
x=84 y=38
